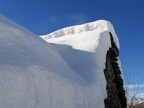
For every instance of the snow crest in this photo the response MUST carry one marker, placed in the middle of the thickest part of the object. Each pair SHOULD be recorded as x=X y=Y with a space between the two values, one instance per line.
x=97 y=25
x=84 y=48
x=64 y=72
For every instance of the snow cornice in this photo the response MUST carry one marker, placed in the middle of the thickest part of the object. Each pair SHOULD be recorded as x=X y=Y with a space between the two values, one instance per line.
x=101 y=25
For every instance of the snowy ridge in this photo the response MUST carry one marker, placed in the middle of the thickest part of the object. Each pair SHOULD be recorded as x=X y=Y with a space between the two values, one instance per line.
x=33 y=74
x=97 y=25
x=84 y=48
x=66 y=72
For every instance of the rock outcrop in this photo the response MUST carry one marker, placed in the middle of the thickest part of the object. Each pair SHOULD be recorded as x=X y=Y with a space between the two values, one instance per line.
x=115 y=85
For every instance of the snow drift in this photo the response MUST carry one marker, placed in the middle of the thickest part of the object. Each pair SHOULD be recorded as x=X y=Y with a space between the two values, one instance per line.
x=66 y=72
x=84 y=49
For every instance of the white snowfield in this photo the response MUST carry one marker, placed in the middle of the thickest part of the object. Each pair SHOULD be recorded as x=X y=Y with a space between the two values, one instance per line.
x=64 y=72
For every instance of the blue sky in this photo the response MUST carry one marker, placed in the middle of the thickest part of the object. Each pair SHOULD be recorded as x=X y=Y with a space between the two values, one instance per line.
x=45 y=16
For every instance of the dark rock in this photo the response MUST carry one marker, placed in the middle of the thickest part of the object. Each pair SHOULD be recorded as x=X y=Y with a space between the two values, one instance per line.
x=114 y=53
x=117 y=71
x=119 y=80
x=115 y=59
x=115 y=65
x=115 y=91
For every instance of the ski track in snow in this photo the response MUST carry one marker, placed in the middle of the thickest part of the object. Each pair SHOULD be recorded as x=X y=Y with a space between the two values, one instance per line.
x=66 y=72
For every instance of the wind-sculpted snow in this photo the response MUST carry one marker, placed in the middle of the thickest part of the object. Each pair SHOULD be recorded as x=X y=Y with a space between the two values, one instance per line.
x=100 y=25
x=84 y=48
x=67 y=72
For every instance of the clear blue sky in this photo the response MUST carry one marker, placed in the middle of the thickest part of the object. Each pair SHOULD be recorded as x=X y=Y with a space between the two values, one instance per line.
x=45 y=16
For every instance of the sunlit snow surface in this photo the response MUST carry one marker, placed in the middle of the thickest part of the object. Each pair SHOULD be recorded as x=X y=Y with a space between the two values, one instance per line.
x=66 y=72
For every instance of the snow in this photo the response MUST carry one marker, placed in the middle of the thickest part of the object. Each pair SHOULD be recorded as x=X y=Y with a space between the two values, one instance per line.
x=100 y=25
x=84 y=47
x=64 y=72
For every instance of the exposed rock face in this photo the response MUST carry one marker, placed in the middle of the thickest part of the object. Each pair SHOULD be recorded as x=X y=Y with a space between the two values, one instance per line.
x=115 y=90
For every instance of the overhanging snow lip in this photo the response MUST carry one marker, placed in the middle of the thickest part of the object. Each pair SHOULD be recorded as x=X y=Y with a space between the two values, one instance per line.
x=102 y=25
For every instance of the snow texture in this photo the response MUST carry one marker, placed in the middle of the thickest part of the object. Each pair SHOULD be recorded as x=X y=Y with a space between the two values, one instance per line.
x=66 y=72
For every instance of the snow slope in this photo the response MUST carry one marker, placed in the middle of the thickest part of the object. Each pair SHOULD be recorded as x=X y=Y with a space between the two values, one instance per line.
x=67 y=72
x=84 y=48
